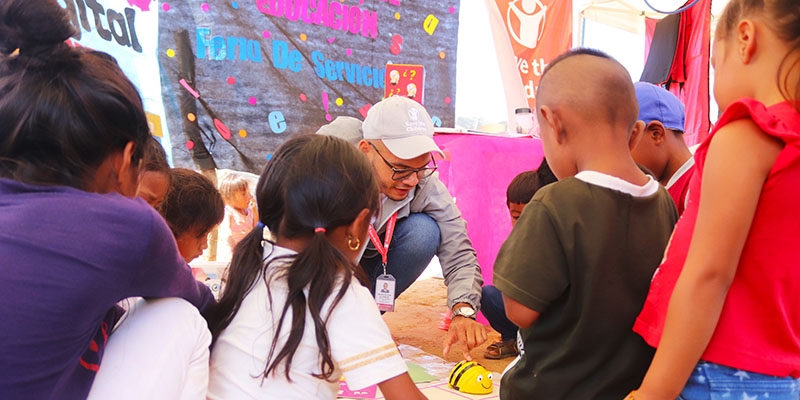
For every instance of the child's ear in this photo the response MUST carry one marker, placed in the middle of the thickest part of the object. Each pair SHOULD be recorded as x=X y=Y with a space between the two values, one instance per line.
x=636 y=134
x=746 y=40
x=554 y=123
x=127 y=173
x=656 y=130
x=360 y=223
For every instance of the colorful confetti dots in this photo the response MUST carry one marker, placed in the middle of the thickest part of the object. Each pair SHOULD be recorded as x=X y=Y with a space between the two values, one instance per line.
x=266 y=34
x=170 y=53
x=191 y=117
x=349 y=52
x=397 y=45
x=269 y=156
x=165 y=6
x=441 y=55
x=303 y=97
x=339 y=101
x=204 y=7
x=252 y=101
x=189 y=145
x=231 y=80
x=451 y=9
x=447 y=100
x=397 y=15
x=303 y=37
x=242 y=133
x=235 y=5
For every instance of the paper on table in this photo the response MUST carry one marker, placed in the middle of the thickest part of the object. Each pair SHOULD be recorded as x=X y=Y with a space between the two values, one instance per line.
x=419 y=374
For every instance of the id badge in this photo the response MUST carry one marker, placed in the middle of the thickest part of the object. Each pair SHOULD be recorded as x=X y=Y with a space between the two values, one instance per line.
x=384 y=292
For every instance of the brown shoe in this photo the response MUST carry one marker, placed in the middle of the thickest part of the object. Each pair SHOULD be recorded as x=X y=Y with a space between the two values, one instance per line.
x=502 y=349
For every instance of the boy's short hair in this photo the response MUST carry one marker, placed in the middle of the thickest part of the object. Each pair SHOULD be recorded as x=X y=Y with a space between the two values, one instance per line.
x=606 y=93
x=522 y=187
x=526 y=184
x=232 y=183
x=192 y=202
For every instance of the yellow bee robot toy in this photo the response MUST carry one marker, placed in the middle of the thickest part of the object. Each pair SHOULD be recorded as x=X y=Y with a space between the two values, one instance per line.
x=470 y=377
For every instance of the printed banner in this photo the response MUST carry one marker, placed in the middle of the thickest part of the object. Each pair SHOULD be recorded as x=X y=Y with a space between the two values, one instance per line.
x=239 y=77
x=128 y=30
x=405 y=80
x=539 y=30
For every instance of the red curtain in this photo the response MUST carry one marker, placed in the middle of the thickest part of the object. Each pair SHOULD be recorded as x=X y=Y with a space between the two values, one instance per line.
x=688 y=78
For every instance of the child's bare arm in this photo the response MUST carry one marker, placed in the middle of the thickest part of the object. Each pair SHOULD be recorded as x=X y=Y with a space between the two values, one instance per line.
x=739 y=159
x=519 y=314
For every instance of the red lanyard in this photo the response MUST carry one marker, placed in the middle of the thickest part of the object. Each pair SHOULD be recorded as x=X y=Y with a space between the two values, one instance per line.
x=376 y=240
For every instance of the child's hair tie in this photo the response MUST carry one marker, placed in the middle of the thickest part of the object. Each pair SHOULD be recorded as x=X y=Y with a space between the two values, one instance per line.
x=260 y=224
x=319 y=229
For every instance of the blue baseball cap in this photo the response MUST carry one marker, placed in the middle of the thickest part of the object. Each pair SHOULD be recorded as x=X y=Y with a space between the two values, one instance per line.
x=658 y=104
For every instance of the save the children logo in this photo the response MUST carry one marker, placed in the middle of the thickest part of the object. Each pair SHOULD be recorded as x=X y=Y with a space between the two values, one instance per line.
x=525 y=20
x=413 y=114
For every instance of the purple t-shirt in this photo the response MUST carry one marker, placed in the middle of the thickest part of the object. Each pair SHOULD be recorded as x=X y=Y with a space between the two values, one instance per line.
x=66 y=258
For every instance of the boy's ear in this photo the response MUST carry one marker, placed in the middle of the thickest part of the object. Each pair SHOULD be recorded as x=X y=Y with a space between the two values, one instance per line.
x=554 y=122
x=636 y=134
x=656 y=131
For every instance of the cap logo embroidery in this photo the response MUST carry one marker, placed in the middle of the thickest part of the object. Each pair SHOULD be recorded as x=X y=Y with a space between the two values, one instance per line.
x=413 y=114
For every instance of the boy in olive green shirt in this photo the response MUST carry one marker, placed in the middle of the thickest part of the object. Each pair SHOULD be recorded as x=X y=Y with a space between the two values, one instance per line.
x=576 y=268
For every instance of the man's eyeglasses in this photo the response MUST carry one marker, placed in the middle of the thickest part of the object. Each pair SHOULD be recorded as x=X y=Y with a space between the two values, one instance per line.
x=399 y=174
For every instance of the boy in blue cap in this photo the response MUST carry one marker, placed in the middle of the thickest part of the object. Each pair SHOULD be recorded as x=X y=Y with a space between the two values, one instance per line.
x=662 y=148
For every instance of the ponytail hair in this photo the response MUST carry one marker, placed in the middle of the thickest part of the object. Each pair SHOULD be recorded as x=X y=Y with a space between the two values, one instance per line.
x=248 y=255
x=63 y=110
x=324 y=183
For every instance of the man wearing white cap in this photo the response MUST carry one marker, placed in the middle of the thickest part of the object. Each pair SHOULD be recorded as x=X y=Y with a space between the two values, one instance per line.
x=418 y=218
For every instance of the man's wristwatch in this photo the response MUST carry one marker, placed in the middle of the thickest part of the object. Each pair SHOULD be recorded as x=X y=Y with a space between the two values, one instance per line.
x=464 y=311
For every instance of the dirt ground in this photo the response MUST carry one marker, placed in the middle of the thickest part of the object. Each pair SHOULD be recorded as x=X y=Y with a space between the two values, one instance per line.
x=417 y=319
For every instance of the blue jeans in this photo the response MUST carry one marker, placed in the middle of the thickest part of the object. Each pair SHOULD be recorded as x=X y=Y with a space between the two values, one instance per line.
x=494 y=310
x=415 y=242
x=711 y=381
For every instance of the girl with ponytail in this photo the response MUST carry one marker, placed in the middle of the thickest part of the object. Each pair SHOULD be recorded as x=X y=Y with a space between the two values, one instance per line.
x=295 y=316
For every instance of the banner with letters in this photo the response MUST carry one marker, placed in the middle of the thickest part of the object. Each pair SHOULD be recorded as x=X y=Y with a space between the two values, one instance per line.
x=539 y=30
x=226 y=82
x=128 y=30
x=239 y=77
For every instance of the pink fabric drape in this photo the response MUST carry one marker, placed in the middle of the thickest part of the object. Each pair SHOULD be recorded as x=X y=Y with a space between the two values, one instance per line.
x=477 y=172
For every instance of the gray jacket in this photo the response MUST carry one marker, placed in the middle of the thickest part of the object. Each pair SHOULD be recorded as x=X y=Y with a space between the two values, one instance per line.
x=460 y=268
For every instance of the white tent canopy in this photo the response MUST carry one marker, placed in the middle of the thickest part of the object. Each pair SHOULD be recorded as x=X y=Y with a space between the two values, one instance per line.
x=629 y=15
x=472 y=106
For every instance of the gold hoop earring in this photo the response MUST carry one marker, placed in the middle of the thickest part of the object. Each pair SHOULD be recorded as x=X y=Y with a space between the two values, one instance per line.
x=352 y=246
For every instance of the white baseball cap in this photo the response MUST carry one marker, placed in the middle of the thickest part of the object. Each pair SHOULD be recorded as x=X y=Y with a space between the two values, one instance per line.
x=403 y=125
x=343 y=127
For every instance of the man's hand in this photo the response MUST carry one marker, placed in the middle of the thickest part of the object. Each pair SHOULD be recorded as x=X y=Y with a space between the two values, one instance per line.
x=465 y=331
